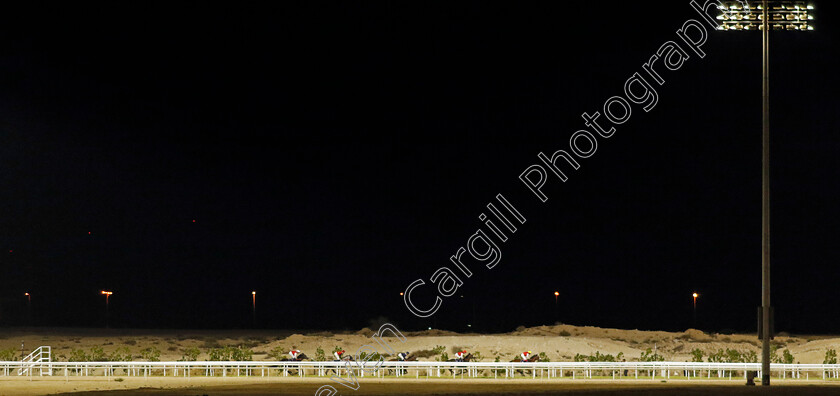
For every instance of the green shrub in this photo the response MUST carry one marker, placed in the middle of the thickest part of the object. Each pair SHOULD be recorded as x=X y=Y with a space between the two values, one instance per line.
x=732 y=356
x=544 y=357
x=320 y=356
x=7 y=355
x=219 y=354
x=437 y=350
x=77 y=355
x=786 y=357
x=230 y=353
x=241 y=354
x=476 y=357
x=565 y=333
x=120 y=355
x=696 y=355
x=150 y=354
x=372 y=357
x=277 y=353
x=189 y=354
x=96 y=354
x=830 y=357
x=597 y=357
x=443 y=357
x=649 y=356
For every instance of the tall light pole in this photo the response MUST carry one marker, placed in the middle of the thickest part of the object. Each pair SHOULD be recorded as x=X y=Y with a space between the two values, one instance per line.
x=107 y=295
x=556 y=313
x=694 y=295
x=778 y=15
x=254 y=308
x=29 y=306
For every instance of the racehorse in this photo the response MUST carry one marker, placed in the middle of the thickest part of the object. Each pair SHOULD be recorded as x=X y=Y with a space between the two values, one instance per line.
x=345 y=358
x=300 y=357
x=466 y=358
x=532 y=359
x=409 y=358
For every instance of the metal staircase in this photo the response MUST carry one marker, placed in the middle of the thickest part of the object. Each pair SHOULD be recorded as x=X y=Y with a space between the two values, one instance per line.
x=40 y=359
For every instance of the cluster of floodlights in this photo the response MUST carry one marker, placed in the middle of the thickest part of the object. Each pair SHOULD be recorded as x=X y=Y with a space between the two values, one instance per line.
x=782 y=15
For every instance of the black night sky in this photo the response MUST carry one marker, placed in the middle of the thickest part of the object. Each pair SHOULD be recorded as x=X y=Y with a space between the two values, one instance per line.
x=328 y=154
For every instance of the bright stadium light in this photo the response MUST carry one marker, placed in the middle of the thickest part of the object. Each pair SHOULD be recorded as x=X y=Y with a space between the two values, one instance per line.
x=781 y=15
x=775 y=15
x=107 y=295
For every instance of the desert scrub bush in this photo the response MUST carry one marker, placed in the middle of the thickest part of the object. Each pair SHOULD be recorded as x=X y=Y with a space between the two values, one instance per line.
x=189 y=354
x=121 y=354
x=565 y=333
x=597 y=357
x=277 y=353
x=219 y=354
x=130 y=342
x=696 y=355
x=96 y=354
x=544 y=357
x=476 y=357
x=230 y=353
x=732 y=356
x=150 y=354
x=7 y=355
x=443 y=357
x=372 y=357
x=649 y=356
x=77 y=355
x=320 y=356
x=786 y=357
x=438 y=349
x=241 y=354
x=830 y=357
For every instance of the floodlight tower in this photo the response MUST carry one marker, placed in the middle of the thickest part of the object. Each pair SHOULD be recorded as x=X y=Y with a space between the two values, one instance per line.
x=107 y=295
x=775 y=15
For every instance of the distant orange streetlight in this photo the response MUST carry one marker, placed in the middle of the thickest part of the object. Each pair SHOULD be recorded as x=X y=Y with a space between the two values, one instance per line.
x=695 y=295
x=107 y=295
x=28 y=306
x=401 y=293
x=556 y=313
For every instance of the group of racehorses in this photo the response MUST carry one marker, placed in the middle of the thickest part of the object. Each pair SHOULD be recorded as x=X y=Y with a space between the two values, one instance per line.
x=406 y=357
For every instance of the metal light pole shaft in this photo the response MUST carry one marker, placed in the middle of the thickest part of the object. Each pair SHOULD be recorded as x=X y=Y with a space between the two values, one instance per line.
x=765 y=202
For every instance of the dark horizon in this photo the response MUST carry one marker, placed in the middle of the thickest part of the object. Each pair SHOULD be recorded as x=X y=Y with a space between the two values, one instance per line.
x=327 y=155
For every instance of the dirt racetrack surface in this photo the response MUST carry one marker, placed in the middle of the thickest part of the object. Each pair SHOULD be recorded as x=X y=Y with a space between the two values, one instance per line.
x=495 y=387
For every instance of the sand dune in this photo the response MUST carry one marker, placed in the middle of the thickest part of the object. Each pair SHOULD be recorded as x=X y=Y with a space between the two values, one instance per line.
x=558 y=342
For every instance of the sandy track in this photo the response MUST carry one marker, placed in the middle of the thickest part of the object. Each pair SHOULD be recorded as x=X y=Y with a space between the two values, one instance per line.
x=308 y=386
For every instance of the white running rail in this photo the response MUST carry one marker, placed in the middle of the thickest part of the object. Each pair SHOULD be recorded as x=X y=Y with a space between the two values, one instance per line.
x=40 y=358
x=500 y=370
